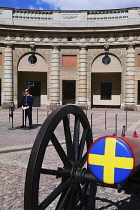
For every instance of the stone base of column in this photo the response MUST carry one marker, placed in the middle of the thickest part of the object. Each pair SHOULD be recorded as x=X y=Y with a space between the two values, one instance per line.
x=83 y=106
x=6 y=105
x=129 y=107
x=54 y=105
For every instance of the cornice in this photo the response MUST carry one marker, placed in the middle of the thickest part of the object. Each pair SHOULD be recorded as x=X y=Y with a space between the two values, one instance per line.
x=70 y=30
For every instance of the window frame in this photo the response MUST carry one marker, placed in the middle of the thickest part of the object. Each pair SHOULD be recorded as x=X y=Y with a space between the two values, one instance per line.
x=106 y=60
x=31 y=59
x=106 y=91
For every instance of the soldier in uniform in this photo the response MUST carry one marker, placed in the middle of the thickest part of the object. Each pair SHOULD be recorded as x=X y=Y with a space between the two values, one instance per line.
x=27 y=101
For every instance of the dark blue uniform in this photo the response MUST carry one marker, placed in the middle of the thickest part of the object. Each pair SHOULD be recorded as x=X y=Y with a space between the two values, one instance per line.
x=27 y=101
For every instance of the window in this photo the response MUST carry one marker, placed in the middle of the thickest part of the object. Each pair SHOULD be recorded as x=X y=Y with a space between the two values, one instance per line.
x=34 y=87
x=106 y=60
x=69 y=61
x=32 y=59
x=106 y=91
x=0 y=59
x=35 y=91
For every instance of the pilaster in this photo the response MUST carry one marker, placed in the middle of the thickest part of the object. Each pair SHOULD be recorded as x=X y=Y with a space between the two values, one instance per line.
x=130 y=78
x=82 y=93
x=8 y=76
x=55 y=78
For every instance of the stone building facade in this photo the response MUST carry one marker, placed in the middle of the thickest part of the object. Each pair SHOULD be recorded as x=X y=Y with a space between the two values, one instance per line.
x=87 y=58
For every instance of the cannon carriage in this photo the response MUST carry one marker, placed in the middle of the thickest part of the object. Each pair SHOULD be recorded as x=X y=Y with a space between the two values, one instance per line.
x=78 y=164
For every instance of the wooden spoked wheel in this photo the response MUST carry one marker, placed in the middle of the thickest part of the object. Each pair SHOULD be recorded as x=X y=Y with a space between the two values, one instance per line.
x=67 y=130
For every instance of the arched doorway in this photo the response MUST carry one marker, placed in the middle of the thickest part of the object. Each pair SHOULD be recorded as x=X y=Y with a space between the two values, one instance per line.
x=106 y=81
x=32 y=74
x=0 y=92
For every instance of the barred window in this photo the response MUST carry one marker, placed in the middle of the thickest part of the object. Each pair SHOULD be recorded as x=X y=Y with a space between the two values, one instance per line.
x=106 y=91
x=32 y=59
x=106 y=60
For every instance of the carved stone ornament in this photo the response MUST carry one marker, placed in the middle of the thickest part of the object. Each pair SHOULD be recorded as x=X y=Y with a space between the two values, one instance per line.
x=138 y=12
x=2 y=37
x=32 y=38
x=78 y=39
x=32 y=46
x=126 y=37
x=41 y=39
x=69 y=16
x=96 y=38
x=116 y=38
x=106 y=47
x=1 y=12
x=13 y=37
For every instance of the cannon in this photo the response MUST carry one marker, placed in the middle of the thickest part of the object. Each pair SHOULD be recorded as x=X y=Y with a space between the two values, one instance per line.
x=79 y=165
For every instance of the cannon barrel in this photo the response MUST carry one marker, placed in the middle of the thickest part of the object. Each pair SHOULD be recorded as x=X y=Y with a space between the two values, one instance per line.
x=113 y=159
x=134 y=144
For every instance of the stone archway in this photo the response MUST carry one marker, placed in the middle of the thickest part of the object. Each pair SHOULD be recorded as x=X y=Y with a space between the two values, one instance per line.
x=106 y=81
x=0 y=92
x=32 y=69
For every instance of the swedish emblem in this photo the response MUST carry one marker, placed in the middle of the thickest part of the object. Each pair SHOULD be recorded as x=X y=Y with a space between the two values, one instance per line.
x=110 y=159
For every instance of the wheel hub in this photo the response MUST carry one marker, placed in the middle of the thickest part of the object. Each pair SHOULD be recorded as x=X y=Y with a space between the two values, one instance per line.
x=77 y=174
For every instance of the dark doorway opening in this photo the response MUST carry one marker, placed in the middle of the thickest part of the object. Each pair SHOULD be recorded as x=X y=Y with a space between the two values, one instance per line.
x=106 y=91
x=68 y=89
x=138 y=92
x=0 y=92
x=35 y=91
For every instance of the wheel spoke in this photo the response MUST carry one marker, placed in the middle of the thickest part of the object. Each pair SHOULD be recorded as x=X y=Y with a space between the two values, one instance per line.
x=54 y=194
x=60 y=151
x=92 y=188
x=73 y=201
x=81 y=196
x=82 y=143
x=70 y=150
x=76 y=137
x=58 y=173
x=63 y=199
x=83 y=159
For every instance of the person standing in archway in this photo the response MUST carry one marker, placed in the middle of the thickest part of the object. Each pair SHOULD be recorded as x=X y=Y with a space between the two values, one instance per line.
x=27 y=101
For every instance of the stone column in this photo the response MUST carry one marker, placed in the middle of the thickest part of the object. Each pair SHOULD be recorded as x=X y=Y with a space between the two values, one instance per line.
x=130 y=78
x=8 y=76
x=55 y=78
x=82 y=93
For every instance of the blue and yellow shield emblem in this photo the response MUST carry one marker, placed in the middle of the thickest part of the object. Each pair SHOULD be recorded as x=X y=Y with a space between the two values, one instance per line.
x=110 y=159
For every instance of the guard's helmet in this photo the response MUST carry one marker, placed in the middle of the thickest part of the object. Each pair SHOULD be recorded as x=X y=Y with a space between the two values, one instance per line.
x=27 y=90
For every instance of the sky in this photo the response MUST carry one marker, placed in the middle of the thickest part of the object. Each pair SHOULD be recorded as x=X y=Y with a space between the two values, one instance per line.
x=69 y=4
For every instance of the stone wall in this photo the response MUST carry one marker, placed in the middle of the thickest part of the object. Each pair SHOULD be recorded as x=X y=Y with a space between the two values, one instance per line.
x=79 y=18
x=88 y=35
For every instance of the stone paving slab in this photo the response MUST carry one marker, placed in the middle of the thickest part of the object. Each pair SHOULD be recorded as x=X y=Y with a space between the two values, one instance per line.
x=12 y=178
x=14 y=137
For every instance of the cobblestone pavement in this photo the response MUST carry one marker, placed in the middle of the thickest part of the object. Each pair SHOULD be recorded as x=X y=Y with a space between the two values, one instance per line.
x=15 y=147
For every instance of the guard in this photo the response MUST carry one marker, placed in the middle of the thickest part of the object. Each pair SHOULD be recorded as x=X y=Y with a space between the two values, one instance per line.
x=27 y=101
